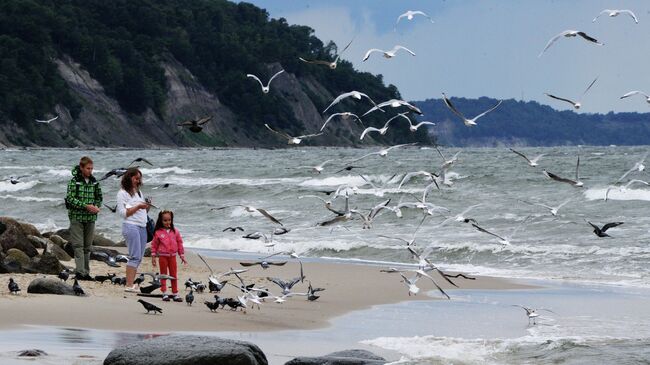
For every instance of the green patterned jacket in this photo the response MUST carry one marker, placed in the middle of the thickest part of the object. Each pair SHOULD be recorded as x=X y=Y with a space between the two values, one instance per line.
x=81 y=194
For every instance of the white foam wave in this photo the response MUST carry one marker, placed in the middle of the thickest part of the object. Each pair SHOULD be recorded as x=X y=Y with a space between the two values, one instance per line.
x=23 y=167
x=335 y=181
x=166 y=170
x=201 y=181
x=31 y=198
x=59 y=172
x=616 y=194
x=6 y=186
x=445 y=349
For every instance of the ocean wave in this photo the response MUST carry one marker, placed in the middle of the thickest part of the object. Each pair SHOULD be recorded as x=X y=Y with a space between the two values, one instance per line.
x=166 y=170
x=31 y=198
x=59 y=172
x=335 y=181
x=6 y=186
x=203 y=181
x=616 y=194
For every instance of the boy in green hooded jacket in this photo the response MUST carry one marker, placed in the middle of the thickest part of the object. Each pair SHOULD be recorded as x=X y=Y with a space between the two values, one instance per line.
x=83 y=199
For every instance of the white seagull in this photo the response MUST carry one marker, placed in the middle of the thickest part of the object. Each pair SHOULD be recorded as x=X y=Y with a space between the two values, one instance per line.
x=387 y=54
x=638 y=166
x=553 y=210
x=291 y=139
x=576 y=104
x=502 y=240
x=531 y=313
x=265 y=89
x=467 y=122
x=394 y=103
x=381 y=130
x=624 y=187
x=577 y=183
x=352 y=94
x=410 y=14
x=382 y=152
x=47 y=121
x=344 y=116
x=252 y=209
x=615 y=12
x=532 y=162
x=332 y=65
x=567 y=34
x=647 y=97
x=318 y=168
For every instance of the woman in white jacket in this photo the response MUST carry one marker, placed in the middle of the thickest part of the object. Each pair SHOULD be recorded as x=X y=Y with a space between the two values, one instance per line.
x=132 y=207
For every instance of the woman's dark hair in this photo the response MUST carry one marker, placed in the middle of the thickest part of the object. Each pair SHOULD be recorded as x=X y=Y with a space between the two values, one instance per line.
x=126 y=179
x=159 y=221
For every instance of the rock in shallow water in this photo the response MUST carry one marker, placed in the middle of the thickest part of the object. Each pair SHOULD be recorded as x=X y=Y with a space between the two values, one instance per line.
x=345 y=357
x=187 y=350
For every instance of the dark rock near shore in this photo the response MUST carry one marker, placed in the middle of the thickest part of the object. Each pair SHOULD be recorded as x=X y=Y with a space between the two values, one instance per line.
x=57 y=251
x=345 y=357
x=38 y=242
x=63 y=233
x=17 y=256
x=29 y=229
x=100 y=240
x=3 y=227
x=187 y=350
x=58 y=240
x=49 y=285
x=13 y=237
x=46 y=263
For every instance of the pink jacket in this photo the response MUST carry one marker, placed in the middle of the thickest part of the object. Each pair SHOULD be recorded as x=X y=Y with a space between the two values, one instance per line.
x=167 y=244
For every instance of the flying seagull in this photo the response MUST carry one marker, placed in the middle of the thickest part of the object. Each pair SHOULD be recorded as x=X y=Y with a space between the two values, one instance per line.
x=638 y=166
x=567 y=34
x=252 y=209
x=381 y=130
x=467 y=122
x=553 y=210
x=195 y=125
x=577 y=183
x=352 y=94
x=647 y=97
x=291 y=139
x=622 y=188
x=410 y=14
x=382 y=152
x=47 y=121
x=394 y=103
x=532 y=162
x=387 y=54
x=265 y=89
x=16 y=179
x=576 y=104
x=502 y=240
x=344 y=116
x=600 y=232
x=615 y=12
x=331 y=65
x=319 y=168
x=532 y=313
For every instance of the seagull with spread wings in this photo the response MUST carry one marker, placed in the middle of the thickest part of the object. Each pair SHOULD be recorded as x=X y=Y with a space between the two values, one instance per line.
x=575 y=104
x=381 y=130
x=615 y=12
x=387 y=54
x=265 y=88
x=252 y=209
x=531 y=313
x=636 y=92
x=290 y=139
x=352 y=94
x=383 y=152
x=344 y=116
x=568 y=34
x=195 y=125
x=394 y=103
x=466 y=121
x=532 y=162
x=48 y=121
x=331 y=65
x=577 y=183
x=624 y=187
x=410 y=14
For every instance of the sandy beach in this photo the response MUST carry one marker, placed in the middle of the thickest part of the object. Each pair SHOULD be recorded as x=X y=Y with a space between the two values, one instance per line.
x=349 y=287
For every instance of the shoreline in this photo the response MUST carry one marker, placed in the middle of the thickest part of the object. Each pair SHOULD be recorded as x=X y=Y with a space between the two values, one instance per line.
x=107 y=307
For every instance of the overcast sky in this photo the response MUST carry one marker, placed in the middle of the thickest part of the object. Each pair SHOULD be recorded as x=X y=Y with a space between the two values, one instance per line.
x=490 y=48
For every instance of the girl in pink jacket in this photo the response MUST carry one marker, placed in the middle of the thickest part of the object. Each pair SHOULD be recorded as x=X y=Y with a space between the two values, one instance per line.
x=166 y=244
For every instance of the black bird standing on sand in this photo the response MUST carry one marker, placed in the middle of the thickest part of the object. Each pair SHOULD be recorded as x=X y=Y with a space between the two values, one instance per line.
x=13 y=286
x=150 y=307
x=64 y=275
x=213 y=306
x=77 y=288
x=103 y=278
x=189 y=298
x=600 y=232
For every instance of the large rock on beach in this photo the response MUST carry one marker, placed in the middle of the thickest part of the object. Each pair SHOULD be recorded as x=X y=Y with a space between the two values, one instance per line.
x=17 y=256
x=100 y=240
x=58 y=252
x=38 y=242
x=49 y=285
x=29 y=229
x=13 y=237
x=63 y=233
x=58 y=240
x=46 y=263
x=345 y=357
x=187 y=350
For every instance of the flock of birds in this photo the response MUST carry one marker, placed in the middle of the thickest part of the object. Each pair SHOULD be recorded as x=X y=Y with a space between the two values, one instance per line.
x=422 y=267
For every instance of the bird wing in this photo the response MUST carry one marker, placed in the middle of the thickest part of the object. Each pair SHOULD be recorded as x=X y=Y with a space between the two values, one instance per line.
x=203 y=120
x=309 y=135
x=590 y=39
x=267 y=215
x=281 y=263
x=557 y=178
x=340 y=218
x=423 y=123
x=610 y=225
x=47 y=121
x=451 y=106
x=367 y=55
x=247 y=264
x=590 y=85
x=578 y=169
x=593 y=226
x=400 y=18
x=338 y=99
x=488 y=232
x=283 y=134
x=601 y=13
x=520 y=154
x=422 y=273
x=206 y=263
x=552 y=40
x=398 y=47
x=631 y=14
x=408 y=177
x=487 y=111
x=344 y=49
x=256 y=78
x=403 y=115
x=366 y=131
x=316 y=62
x=634 y=93
x=274 y=76
x=559 y=98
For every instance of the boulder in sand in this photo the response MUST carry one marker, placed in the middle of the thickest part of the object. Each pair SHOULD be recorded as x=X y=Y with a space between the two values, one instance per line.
x=345 y=357
x=46 y=263
x=187 y=350
x=13 y=237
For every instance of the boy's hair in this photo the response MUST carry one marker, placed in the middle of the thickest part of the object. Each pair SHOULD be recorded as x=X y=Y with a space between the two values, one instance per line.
x=126 y=179
x=159 y=221
x=85 y=161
